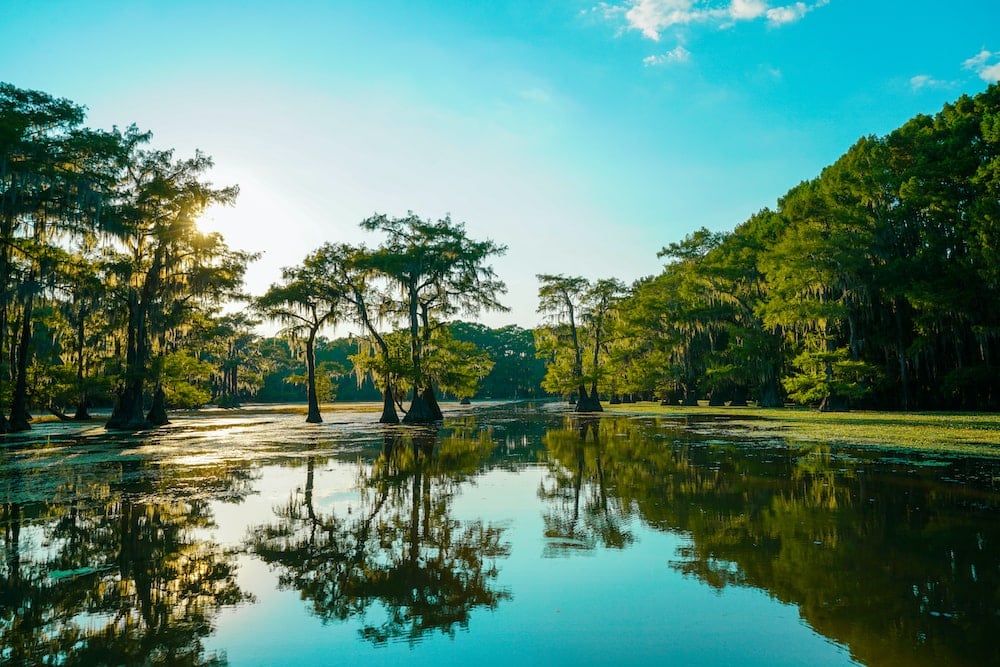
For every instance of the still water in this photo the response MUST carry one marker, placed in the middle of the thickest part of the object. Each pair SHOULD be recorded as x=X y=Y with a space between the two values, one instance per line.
x=512 y=535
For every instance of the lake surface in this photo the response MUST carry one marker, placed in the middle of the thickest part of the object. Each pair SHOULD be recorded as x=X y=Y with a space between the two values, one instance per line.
x=511 y=535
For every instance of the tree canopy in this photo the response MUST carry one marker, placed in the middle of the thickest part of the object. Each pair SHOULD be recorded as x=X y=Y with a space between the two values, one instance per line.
x=874 y=284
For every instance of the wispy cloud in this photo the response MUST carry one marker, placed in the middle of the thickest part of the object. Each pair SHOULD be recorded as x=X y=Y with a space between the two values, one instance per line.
x=922 y=81
x=788 y=13
x=653 y=17
x=986 y=64
x=676 y=55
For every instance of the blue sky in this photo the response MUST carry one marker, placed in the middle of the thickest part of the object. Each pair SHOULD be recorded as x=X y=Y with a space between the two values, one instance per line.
x=583 y=135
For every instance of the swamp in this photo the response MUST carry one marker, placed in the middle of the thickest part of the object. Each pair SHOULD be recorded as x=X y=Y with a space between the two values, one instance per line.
x=509 y=532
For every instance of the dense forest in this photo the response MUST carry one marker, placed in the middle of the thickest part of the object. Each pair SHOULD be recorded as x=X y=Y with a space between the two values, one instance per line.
x=875 y=284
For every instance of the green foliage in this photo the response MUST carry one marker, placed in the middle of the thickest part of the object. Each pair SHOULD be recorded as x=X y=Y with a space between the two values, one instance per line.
x=438 y=271
x=822 y=375
x=456 y=366
x=878 y=280
x=576 y=341
x=184 y=380
x=391 y=368
x=517 y=372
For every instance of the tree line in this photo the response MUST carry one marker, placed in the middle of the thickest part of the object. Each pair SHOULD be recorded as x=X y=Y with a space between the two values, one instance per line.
x=110 y=293
x=875 y=284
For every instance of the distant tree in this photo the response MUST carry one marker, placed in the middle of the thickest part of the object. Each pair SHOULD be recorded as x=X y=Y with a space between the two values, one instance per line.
x=560 y=299
x=230 y=344
x=455 y=366
x=336 y=354
x=356 y=273
x=277 y=363
x=438 y=271
x=83 y=309
x=599 y=312
x=580 y=314
x=304 y=303
x=517 y=371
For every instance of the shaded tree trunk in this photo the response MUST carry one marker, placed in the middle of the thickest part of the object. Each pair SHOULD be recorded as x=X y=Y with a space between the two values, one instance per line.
x=128 y=413
x=4 y=302
x=770 y=395
x=389 y=414
x=431 y=398
x=82 y=413
x=82 y=404
x=157 y=415
x=420 y=411
x=739 y=399
x=690 y=396
x=834 y=403
x=904 y=375
x=314 y=417
x=589 y=402
x=19 y=418
x=717 y=398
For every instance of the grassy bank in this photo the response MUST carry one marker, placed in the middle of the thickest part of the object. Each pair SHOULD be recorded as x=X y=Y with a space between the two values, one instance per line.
x=972 y=434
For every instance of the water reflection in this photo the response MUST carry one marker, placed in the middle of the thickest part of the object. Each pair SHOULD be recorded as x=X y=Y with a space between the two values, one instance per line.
x=882 y=557
x=582 y=513
x=399 y=551
x=111 y=572
x=112 y=555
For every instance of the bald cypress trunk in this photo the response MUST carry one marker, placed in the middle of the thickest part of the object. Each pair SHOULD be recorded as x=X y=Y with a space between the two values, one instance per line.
x=157 y=415
x=420 y=412
x=432 y=403
x=314 y=416
x=128 y=413
x=389 y=414
x=19 y=418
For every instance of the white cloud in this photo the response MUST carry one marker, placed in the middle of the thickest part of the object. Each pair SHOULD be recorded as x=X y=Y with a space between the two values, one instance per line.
x=986 y=64
x=978 y=61
x=652 y=17
x=779 y=16
x=747 y=10
x=787 y=14
x=991 y=73
x=676 y=55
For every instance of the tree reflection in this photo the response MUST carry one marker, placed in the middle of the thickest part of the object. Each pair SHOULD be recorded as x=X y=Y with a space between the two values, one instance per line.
x=108 y=578
x=399 y=552
x=577 y=475
x=883 y=557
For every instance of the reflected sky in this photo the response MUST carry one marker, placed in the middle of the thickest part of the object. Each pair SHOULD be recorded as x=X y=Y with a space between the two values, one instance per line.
x=529 y=535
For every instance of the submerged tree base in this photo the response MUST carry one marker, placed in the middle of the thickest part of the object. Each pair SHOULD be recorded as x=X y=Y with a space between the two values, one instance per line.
x=158 y=411
x=589 y=403
x=389 y=414
x=128 y=414
x=833 y=403
x=421 y=412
